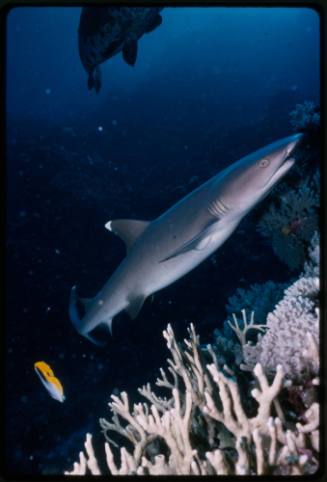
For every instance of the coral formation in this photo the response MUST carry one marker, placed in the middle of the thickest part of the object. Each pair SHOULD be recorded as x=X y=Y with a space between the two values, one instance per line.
x=305 y=117
x=203 y=428
x=292 y=217
x=226 y=348
x=260 y=298
x=291 y=221
x=254 y=413
x=288 y=326
x=312 y=265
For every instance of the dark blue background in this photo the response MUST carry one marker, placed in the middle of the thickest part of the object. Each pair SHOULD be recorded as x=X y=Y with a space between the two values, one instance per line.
x=209 y=85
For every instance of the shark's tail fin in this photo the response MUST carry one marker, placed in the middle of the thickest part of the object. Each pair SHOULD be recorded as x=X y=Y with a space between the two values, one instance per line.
x=76 y=319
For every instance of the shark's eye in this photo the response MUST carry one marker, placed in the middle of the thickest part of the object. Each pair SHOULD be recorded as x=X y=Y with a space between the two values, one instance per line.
x=264 y=163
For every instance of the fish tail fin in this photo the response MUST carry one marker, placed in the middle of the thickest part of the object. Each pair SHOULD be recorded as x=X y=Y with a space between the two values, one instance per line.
x=94 y=80
x=76 y=319
x=97 y=79
x=90 y=81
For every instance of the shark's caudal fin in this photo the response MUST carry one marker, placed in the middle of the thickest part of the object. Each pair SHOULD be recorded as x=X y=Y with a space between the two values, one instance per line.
x=77 y=320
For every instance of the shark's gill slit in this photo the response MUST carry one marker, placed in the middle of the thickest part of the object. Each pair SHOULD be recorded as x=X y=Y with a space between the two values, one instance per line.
x=218 y=208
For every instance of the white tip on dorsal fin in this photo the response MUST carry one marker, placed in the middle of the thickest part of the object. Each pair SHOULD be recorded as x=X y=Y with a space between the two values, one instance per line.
x=108 y=225
x=127 y=229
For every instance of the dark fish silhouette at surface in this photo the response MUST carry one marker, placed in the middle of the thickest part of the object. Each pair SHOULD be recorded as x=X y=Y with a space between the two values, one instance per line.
x=105 y=31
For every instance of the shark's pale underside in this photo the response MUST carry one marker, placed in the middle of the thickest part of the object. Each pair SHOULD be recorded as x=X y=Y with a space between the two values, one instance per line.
x=160 y=252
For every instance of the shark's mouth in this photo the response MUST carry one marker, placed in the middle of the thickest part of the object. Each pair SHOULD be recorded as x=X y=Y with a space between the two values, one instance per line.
x=287 y=163
x=281 y=171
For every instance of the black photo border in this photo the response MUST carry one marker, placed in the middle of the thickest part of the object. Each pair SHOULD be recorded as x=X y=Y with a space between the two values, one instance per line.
x=320 y=6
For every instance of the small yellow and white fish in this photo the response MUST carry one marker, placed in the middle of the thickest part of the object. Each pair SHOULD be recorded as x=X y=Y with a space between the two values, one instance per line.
x=51 y=383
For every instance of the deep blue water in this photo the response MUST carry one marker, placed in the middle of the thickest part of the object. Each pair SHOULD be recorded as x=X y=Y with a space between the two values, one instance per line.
x=209 y=86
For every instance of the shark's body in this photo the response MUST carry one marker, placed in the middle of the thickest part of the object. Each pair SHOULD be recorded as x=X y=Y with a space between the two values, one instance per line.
x=162 y=251
x=105 y=31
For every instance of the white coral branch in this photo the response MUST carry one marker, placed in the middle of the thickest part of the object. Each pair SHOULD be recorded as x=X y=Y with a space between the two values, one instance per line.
x=247 y=326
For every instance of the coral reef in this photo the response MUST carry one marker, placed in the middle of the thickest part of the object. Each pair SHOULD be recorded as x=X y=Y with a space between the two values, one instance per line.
x=203 y=428
x=312 y=265
x=292 y=217
x=295 y=318
x=233 y=408
x=260 y=298
x=290 y=222
x=291 y=326
x=226 y=348
x=305 y=117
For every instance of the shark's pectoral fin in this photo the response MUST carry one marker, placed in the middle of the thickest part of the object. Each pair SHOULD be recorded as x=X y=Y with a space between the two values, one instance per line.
x=130 y=51
x=108 y=325
x=135 y=306
x=99 y=335
x=129 y=230
x=156 y=22
x=199 y=242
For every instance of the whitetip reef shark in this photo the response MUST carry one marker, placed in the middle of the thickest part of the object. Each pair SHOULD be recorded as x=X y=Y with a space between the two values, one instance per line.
x=160 y=252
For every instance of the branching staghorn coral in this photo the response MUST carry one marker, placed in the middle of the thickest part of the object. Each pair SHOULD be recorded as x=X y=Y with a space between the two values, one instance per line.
x=236 y=443
x=290 y=222
x=241 y=329
x=226 y=349
x=228 y=344
x=260 y=298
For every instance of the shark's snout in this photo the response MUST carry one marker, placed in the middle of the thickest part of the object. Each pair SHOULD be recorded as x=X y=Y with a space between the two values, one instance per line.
x=282 y=155
x=258 y=173
x=292 y=143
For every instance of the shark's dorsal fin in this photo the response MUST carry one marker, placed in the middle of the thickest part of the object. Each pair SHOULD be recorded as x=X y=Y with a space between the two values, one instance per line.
x=129 y=230
x=199 y=242
x=135 y=306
